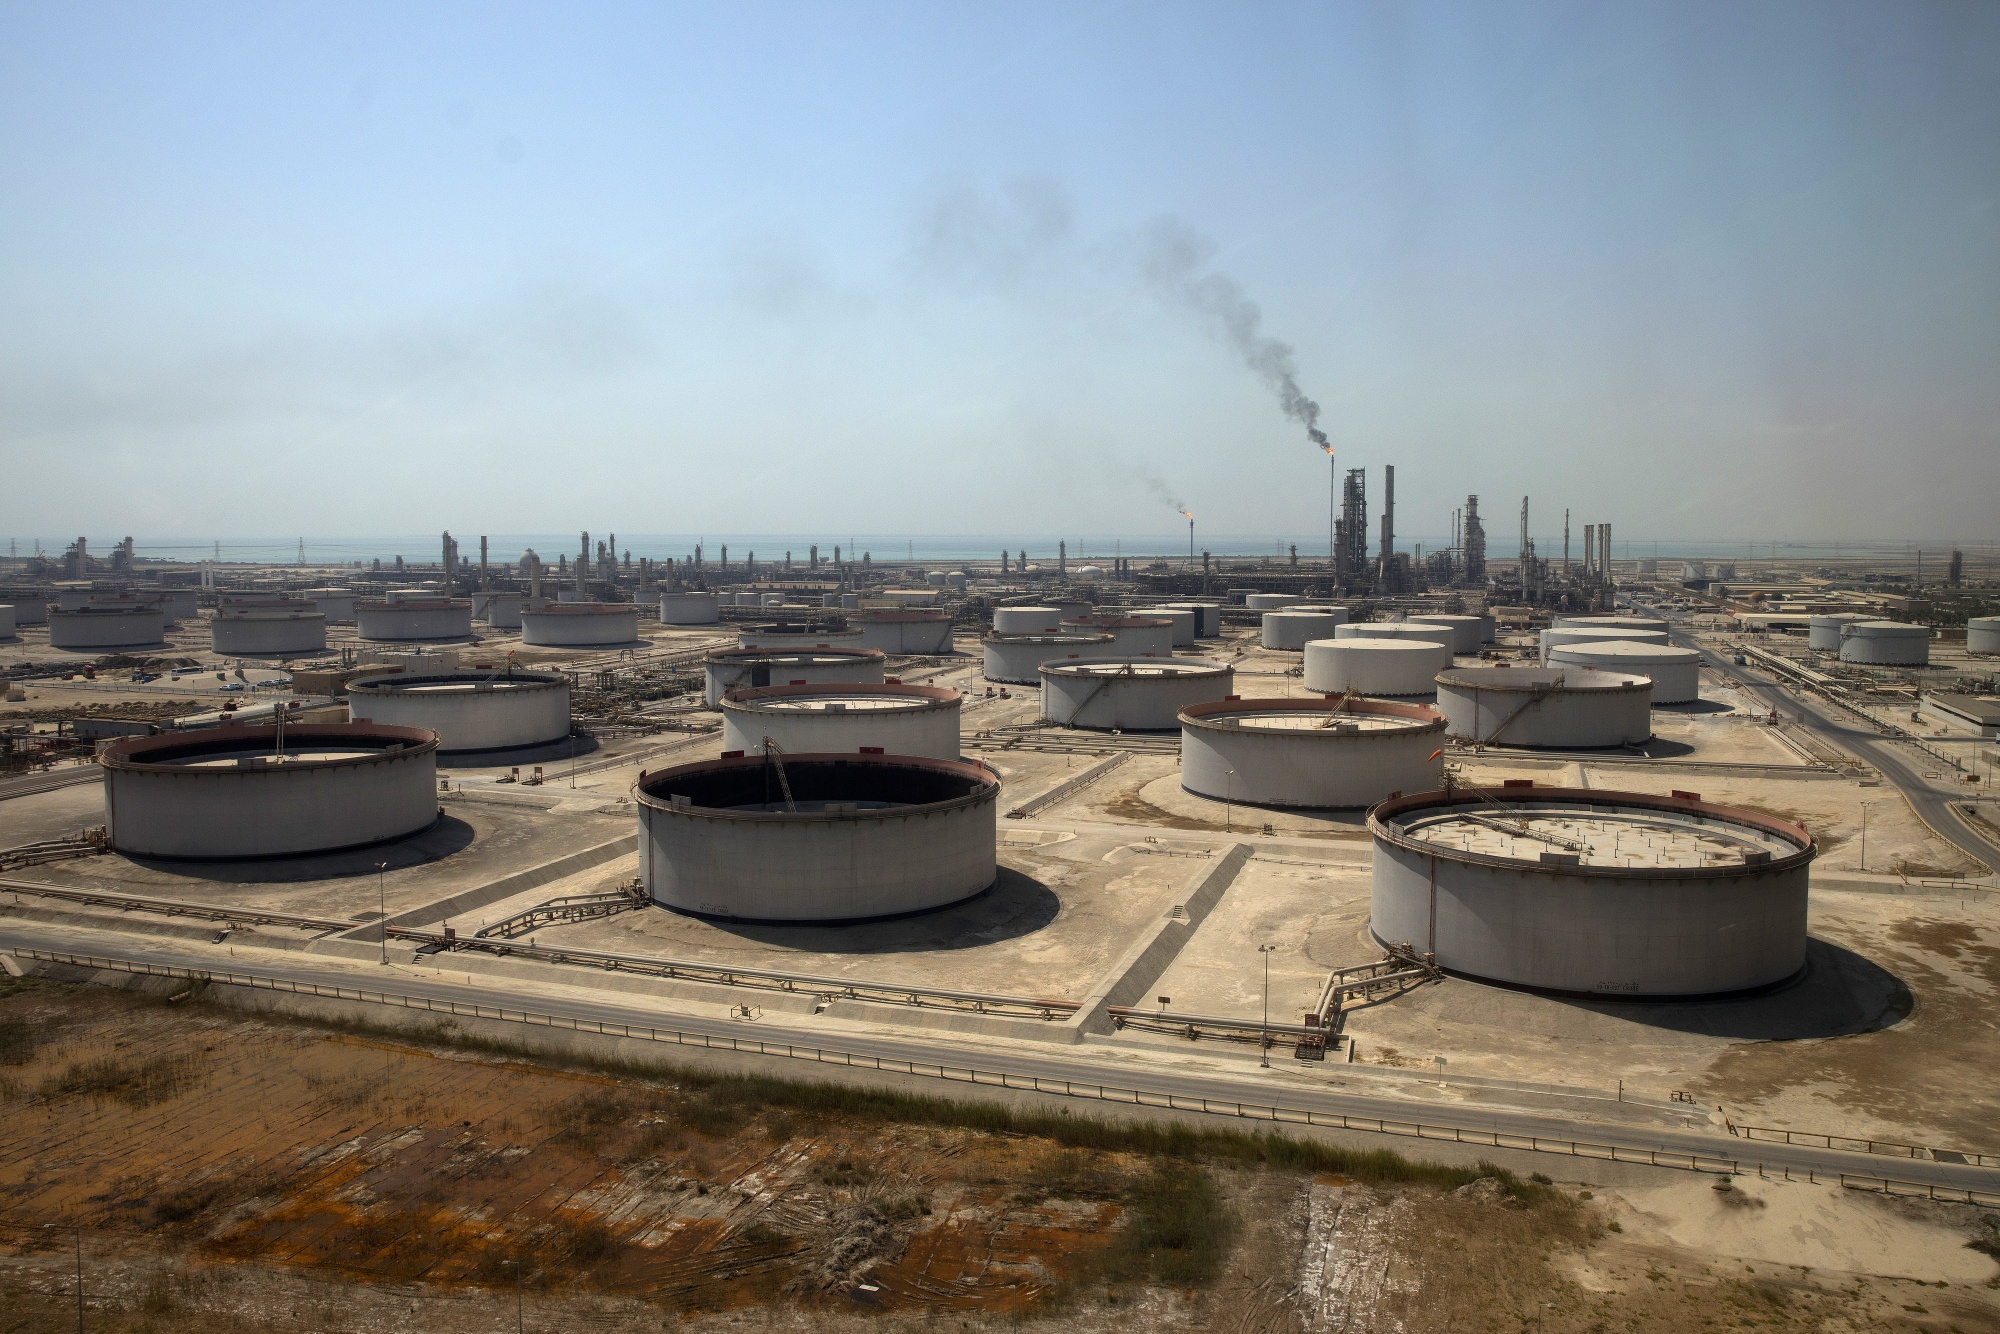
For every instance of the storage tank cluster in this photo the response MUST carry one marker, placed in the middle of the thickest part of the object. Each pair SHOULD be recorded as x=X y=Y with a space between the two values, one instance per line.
x=580 y=625
x=1675 y=672
x=749 y=668
x=1886 y=644
x=1555 y=707
x=1129 y=694
x=1589 y=892
x=1012 y=659
x=825 y=838
x=888 y=719
x=1290 y=630
x=268 y=632
x=1312 y=753
x=403 y=618
x=233 y=793
x=1374 y=666
x=468 y=710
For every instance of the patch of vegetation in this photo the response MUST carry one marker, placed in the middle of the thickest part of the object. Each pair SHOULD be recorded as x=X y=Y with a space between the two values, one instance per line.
x=1178 y=1231
x=583 y=1120
x=134 y=1083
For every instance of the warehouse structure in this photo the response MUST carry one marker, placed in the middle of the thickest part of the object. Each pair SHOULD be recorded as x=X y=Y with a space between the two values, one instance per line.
x=1313 y=753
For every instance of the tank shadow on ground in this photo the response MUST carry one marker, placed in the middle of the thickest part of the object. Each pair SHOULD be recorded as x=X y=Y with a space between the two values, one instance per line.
x=1840 y=994
x=1695 y=706
x=1016 y=905
x=449 y=835
x=550 y=753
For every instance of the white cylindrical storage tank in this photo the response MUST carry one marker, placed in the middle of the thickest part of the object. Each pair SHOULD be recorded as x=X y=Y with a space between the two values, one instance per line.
x=257 y=632
x=503 y=610
x=107 y=627
x=1374 y=666
x=468 y=710
x=1131 y=636
x=1072 y=609
x=1208 y=618
x=690 y=608
x=935 y=578
x=580 y=624
x=850 y=600
x=1290 y=630
x=956 y=581
x=1129 y=695
x=1547 y=706
x=1182 y=619
x=414 y=618
x=229 y=793
x=1676 y=672
x=1622 y=621
x=1823 y=632
x=1270 y=601
x=1316 y=753
x=336 y=604
x=30 y=608
x=75 y=597
x=1982 y=634
x=1886 y=644
x=750 y=668
x=1548 y=896
x=7 y=630
x=904 y=631
x=860 y=837
x=893 y=720
x=1026 y=620
x=1584 y=634
x=1442 y=635
x=1469 y=632
x=1018 y=659
x=789 y=635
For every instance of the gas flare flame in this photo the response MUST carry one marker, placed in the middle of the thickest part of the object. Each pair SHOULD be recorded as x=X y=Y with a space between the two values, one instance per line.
x=1187 y=514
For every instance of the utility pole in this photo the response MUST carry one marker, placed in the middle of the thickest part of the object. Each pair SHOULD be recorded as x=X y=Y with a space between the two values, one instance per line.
x=1264 y=1037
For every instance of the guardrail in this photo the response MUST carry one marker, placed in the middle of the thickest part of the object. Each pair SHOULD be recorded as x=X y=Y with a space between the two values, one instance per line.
x=213 y=912
x=1860 y=1144
x=1109 y=1093
x=1064 y=791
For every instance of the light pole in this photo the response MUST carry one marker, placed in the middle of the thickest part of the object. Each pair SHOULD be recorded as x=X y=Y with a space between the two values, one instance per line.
x=1229 y=803
x=382 y=906
x=1264 y=1035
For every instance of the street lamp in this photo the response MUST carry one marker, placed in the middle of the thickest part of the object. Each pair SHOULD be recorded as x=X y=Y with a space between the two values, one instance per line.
x=1229 y=803
x=1264 y=1036
x=382 y=906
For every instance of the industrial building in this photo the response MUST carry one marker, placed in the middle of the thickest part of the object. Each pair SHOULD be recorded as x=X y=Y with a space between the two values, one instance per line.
x=1012 y=659
x=1130 y=695
x=1553 y=707
x=234 y=793
x=725 y=670
x=1618 y=895
x=1374 y=666
x=469 y=710
x=832 y=719
x=1676 y=672
x=816 y=838
x=1310 y=753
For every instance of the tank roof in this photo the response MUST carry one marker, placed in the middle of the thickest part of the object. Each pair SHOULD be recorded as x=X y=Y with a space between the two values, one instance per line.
x=318 y=745
x=1146 y=667
x=1326 y=717
x=1537 y=680
x=833 y=698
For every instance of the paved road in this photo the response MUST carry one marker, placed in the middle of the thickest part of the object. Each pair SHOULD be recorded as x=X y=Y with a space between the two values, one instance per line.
x=1055 y=1064
x=1893 y=761
x=28 y=785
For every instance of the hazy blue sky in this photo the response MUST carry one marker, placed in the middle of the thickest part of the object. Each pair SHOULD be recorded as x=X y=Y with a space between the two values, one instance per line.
x=1701 y=270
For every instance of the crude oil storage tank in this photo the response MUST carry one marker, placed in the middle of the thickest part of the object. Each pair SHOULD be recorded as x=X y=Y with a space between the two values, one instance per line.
x=414 y=618
x=31 y=607
x=1290 y=630
x=91 y=628
x=1207 y=617
x=1018 y=659
x=1622 y=621
x=1585 y=634
x=690 y=608
x=1592 y=892
x=233 y=792
x=1442 y=635
x=1319 y=753
x=749 y=668
x=1131 y=695
x=7 y=628
x=1182 y=619
x=787 y=634
x=1469 y=632
x=580 y=624
x=908 y=631
x=1270 y=601
x=254 y=632
x=889 y=719
x=336 y=604
x=1982 y=634
x=1886 y=644
x=468 y=710
x=1823 y=632
x=1374 y=666
x=1026 y=620
x=503 y=610
x=827 y=838
x=1676 y=672
x=1547 y=706
x=1131 y=636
